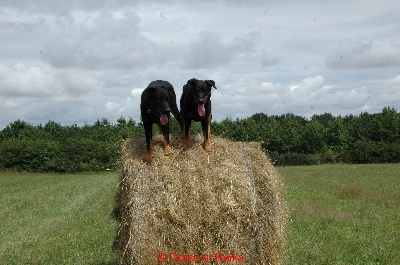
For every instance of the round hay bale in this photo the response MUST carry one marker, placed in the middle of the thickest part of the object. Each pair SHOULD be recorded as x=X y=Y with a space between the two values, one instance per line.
x=223 y=207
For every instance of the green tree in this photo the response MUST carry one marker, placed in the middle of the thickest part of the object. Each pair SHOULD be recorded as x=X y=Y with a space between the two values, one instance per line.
x=271 y=136
x=324 y=119
x=359 y=127
x=55 y=131
x=19 y=129
x=314 y=137
x=386 y=126
x=292 y=133
x=223 y=128
x=337 y=136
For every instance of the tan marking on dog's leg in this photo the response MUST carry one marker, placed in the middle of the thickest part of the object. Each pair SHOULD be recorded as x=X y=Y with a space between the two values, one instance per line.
x=167 y=148
x=187 y=143
x=149 y=154
x=206 y=144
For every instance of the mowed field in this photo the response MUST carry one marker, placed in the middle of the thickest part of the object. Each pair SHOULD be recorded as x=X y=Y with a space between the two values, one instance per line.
x=57 y=219
x=343 y=214
x=338 y=214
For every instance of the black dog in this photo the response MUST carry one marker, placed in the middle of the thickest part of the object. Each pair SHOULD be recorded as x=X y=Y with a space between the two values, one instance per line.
x=157 y=102
x=196 y=105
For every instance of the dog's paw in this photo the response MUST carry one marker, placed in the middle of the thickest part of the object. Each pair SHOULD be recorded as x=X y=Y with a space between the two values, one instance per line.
x=186 y=145
x=168 y=150
x=207 y=148
x=147 y=160
x=148 y=157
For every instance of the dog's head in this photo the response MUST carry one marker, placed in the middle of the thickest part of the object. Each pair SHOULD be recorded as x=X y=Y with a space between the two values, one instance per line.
x=200 y=90
x=160 y=101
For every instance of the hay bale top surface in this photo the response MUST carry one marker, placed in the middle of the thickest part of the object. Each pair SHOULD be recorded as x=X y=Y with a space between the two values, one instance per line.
x=228 y=201
x=224 y=151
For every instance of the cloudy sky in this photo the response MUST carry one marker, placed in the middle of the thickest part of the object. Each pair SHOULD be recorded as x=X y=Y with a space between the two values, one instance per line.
x=78 y=61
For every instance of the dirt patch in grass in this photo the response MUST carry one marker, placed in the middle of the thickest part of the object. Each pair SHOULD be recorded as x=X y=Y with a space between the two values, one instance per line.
x=352 y=191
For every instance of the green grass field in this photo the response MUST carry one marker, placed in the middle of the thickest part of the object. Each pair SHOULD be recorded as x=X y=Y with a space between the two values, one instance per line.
x=57 y=219
x=339 y=214
x=343 y=214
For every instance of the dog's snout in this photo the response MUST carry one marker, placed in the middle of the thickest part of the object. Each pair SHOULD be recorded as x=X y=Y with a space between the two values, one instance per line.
x=200 y=101
x=167 y=109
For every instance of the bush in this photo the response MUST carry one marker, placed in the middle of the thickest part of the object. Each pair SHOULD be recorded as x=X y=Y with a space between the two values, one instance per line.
x=327 y=155
x=28 y=155
x=365 y=152
x=72 y=155
x=292 y=159
x=82 y=154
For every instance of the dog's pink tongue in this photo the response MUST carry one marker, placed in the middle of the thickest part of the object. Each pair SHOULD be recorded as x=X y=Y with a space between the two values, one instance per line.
x=201 y=110
x=163 y=119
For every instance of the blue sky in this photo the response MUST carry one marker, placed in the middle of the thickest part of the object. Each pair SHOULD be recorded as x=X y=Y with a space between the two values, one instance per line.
x=74 y=62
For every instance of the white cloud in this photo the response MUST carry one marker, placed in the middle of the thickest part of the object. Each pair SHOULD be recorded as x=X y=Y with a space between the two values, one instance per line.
x=364 y=55
x=210 y=52
x=270 y=87
x=100 y=42
x=311 y=96
x=27 y=80
x=137 y=92
x=396 y=81
x=311 y=83
x=269 y=59
x=123 y=107
x=78 y=61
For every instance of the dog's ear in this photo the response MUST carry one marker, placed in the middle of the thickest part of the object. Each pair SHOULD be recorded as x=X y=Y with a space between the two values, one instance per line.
x=211 y=83
x=192 y=81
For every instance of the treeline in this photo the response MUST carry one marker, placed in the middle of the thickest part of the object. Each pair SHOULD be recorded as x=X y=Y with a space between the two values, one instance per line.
x=288 y=139
x=56 y=148
x=295 y=140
